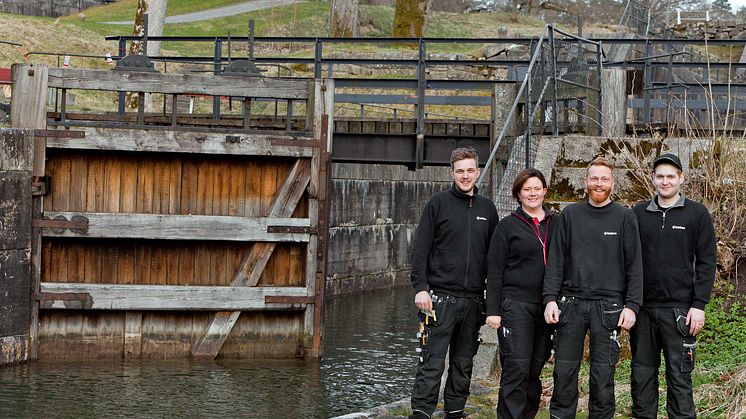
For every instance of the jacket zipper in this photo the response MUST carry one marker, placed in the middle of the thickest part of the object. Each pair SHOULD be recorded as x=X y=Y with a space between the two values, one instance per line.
x=468 y=244
x=538 y=235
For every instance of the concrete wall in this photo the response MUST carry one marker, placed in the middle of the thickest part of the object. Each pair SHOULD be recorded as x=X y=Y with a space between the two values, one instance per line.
x=374 y=212
x=15 y=244
x=51 y=8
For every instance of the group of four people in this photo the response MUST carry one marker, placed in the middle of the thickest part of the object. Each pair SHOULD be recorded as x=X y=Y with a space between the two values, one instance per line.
x=550 y=279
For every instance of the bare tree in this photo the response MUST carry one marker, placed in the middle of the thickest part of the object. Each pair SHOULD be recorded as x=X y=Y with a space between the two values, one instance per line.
x=156 y=11
x=410 y=18
x=343 y=18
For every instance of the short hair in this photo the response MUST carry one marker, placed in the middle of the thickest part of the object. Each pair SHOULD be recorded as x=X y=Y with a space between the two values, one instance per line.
x=601 y=161
x=525 y=175
x=462 y=153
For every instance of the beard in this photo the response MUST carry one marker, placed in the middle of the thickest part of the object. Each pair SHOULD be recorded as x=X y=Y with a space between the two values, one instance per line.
x=599 y=196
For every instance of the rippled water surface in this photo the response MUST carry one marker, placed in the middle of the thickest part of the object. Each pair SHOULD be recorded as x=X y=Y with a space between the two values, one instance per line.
x=369 y=360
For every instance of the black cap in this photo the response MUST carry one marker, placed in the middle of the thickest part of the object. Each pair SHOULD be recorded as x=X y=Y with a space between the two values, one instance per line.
x=668 y=158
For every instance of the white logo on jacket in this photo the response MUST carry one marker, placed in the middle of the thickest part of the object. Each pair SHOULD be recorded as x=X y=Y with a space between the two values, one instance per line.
x=481 y=218
x=610 y=233
x=675 y=227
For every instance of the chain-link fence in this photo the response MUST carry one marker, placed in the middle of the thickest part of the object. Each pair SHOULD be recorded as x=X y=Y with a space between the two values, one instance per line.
x=560 y=92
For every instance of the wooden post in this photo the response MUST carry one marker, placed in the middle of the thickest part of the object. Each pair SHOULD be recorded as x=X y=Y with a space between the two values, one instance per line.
x=614 y=106
x=29 y=110
x=16 y=163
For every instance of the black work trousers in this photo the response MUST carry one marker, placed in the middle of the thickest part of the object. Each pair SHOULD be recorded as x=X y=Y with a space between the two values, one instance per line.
x=656 y=330
x=524 y=349
x=577 y=317
x=458 y=322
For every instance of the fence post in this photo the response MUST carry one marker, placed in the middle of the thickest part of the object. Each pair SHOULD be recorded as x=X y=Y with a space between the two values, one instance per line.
x=420 y=138
x=29 y=83
x=217 y=69
x=614 y=104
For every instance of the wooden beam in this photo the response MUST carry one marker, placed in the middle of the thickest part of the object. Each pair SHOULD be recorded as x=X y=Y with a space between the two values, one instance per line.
x=248 y=274
x=173 y=83
x=169 y=141
x=177 y=227
x=169 y=297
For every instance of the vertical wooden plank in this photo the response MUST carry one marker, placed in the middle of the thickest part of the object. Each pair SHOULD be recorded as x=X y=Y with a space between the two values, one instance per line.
x=253 y=189
x=174 y=187
x=132 y=335
x=142 y=264
x=128 y=191
x=189 y=187
x=221 y=188
x=236 y=197
x=112 y=184
x=187 y=264
x=78 y=182
x=145 y=180
x=75 y=261
x=30 y=83
x=204 y=187
x=127 y=260
x=51 y=171
x=93 y=264
x=61 y=184
x=110 y=262
x=158 y=253
x=161 y=186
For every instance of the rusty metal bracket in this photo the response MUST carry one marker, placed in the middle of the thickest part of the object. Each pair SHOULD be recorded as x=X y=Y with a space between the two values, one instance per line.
x=48 y=133
x=292 y=229
x=40 y=185
x=78 y=224
x=286 y=299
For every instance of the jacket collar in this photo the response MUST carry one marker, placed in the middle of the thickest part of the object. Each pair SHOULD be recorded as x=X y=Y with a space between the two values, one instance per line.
x=521 y=213
x=457 y=192
x=654 y=207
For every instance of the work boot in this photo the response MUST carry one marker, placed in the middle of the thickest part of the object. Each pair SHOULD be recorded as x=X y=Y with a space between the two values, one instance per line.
x=456 y=414
x=418 y=414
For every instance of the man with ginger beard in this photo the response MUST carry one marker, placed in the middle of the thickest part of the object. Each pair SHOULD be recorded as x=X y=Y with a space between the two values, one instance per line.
x=593 y=282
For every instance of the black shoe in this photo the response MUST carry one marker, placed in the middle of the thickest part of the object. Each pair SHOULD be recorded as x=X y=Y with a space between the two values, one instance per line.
x=418 y=414
x=457 y=414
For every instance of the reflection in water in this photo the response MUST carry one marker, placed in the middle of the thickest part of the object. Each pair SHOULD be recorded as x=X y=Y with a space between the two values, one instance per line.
x=368 y=360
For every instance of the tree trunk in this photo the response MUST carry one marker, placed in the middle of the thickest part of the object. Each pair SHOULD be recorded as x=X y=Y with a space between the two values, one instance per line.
x=156 y=11
x=410 y=18
x=343 y=18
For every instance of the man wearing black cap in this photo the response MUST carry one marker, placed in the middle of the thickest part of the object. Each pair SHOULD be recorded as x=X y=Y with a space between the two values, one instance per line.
x=679 y=257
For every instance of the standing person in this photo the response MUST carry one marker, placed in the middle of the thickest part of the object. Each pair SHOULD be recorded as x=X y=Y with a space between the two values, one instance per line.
x=593 y=282
x=515 y=279
x=679 y=255
x=448 y=276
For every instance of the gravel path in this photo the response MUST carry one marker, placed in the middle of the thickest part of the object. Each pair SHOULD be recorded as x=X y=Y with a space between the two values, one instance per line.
x=235 y=9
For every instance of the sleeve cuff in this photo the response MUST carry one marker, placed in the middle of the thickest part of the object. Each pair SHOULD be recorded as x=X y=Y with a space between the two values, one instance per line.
x=632 y=306
x=699 y=305
x=549 y=299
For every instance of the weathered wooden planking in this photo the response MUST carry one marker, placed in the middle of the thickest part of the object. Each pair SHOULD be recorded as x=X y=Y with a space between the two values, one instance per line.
x=173 y=83
x=186 y=142
x=166 y=297
x=248 y=275
x=179 y=227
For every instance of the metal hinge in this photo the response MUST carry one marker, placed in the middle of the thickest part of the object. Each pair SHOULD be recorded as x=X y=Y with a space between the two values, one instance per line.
x=40 y=185
x=77 y=224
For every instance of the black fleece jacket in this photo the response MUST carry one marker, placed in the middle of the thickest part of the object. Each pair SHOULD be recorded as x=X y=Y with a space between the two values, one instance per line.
x=679 y=253
x=595 y=254
x=450 y=244
x=516 y=259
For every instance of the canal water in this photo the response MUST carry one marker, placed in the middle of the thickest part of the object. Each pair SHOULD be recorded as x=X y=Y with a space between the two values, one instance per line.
x=369 y=360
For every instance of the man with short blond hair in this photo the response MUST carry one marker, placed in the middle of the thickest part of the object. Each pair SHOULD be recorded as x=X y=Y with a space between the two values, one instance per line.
x=593 y=282
x=679 y=254
x=448 y=275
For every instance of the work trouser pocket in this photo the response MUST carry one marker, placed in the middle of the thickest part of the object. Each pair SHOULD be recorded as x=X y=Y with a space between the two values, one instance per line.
x=504 y=332
x=440 y=304
x=610 y=313
x=688 y=343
